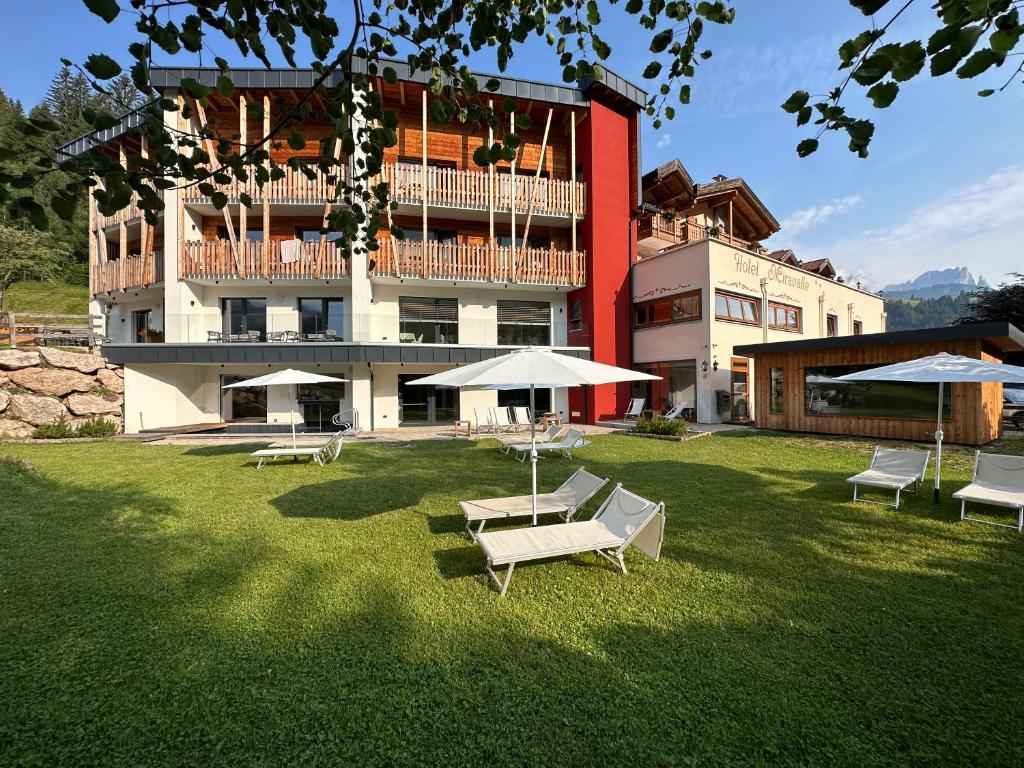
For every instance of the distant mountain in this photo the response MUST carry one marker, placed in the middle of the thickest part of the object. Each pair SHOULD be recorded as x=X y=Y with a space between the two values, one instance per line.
x=935 y=283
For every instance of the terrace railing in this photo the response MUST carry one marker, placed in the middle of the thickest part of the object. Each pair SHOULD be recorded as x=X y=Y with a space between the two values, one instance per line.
x=294 y=187
x=681 y=231
x=136 y=271
x=29 y=328
x=480 y=262
x=215 y=260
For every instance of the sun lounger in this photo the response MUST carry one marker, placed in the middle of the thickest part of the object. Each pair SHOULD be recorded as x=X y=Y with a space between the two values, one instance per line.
x=635 y=410
x=892 y=469
x=998 y=481
x=675 y=412
x=573 y=438
x=322 y=454
x=522 y=416
x=547 y=436
x=565 y=500
x=484 y=422
x=501 y=418
x=624 y=519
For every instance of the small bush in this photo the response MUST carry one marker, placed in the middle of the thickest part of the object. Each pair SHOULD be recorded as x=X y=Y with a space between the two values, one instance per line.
x=58 y=430
x=673 y=427
x=97 y=426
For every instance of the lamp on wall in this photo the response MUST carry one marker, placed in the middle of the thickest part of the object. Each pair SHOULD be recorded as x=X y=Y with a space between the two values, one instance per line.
x=714 y=366
x=704 y=367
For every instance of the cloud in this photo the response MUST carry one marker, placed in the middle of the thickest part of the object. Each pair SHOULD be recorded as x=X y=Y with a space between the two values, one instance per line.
x=976 y=225
x=664 y=141
x=808 y=218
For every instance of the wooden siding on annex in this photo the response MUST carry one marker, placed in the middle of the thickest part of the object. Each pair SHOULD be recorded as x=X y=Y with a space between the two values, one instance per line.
x=976 y=408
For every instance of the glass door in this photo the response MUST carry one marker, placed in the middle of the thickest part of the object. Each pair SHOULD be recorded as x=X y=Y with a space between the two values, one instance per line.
x=320 y=403
x=426 y=405
x=740 y=389
x=244 y=403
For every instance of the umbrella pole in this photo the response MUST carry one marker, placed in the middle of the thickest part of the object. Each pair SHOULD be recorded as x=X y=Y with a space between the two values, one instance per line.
x=533 y=454
x=938 y=448
x=291 y=414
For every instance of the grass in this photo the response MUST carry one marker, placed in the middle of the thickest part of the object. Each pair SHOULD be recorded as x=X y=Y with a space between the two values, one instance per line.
x=172 y=606
x=56 y=297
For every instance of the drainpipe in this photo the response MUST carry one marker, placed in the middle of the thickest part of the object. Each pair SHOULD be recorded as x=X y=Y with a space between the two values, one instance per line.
x=884 y=315
x=821 y=316
x=849 y=320
x=764 y=309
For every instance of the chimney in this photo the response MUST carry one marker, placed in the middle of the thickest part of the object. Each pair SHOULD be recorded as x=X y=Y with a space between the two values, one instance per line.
x=719 y=177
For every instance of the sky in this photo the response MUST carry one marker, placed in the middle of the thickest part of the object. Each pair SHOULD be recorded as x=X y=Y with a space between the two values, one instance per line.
x=943 y=185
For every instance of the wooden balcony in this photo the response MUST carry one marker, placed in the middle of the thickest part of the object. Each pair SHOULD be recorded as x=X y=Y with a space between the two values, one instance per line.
x=138 y=271
x=124 y=215
x=214 y=260
x=294 y=188
x=480 y=263
x=452 y=188
x=657 y=232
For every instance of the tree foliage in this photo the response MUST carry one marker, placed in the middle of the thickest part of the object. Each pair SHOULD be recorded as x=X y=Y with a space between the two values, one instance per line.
x=1002 y=304
x=26 y=254
x=904 y=315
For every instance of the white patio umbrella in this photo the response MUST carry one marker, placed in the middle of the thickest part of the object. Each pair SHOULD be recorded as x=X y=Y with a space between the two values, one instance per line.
x=288 y=377
x=940 y=369
x=528 y=369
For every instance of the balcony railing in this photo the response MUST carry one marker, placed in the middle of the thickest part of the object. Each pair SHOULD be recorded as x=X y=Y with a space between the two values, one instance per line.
x=215 y=260
x=666 y=233
x=483 y=263
x=124 y=215
x=294 y=187
x=452 y=188
x=136 y=271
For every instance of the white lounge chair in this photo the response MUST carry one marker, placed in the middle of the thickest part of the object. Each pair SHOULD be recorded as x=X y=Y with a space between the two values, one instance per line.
x=484 y=422
x=624 y=519
x=322 y=454
x=999 y=481
x=573 y=438
x=551 y=433
x=635 y=410
x=892 y=469
x=565 y=500
x=501 y=418
x=522 y=417
x=675 y=412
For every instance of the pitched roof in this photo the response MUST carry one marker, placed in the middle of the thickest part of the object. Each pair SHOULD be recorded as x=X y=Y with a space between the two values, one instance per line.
x=668 y=186
x=821 y=266
x=786 y=256
x=740 y=186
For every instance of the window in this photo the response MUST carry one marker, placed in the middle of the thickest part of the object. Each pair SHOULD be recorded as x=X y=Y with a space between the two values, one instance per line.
x=858 y=328
x=544 y=243
x=824 y=396
x=778 y=391
x=243 y=403
x=738 y=309
x=832 y=325
x=576 y=315
x=113 y=250
x=433 y=235
x=418 y=161
x=140 y=325
x=242 y=316
x=252 y=234
x=313 y=235
x=783 y=317
x=428 y=321
x=673 y=309
x=677 y=385
x=527 y=323
x=321 y=315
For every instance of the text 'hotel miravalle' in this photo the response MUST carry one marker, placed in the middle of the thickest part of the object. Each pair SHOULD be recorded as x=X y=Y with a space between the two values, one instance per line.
x=567 y=247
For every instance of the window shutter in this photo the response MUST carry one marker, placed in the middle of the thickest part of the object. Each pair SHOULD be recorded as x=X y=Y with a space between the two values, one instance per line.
x=524 y=313
x=416 y=308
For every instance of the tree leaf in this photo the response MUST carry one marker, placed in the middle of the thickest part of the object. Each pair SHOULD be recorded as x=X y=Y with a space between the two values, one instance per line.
x=986 y=92
x=806 y=147
x=105 y=9
x=796 y=101
x=102 y=67
x=882 y=94
x=978 y=62
x=652 y=70
x=661 y=41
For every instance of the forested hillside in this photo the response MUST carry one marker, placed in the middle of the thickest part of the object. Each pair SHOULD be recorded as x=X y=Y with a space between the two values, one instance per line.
x=910 y=314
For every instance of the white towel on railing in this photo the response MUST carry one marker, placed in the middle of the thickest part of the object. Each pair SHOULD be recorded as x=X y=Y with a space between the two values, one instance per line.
x=291 y=250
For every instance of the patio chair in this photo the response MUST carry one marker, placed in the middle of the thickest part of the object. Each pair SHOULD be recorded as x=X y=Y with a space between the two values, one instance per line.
x=566 y=500
x=624 y=519
x=675 y=412
x=551 y=433
x=482 y=419
x=214 y=336
x=892 y=469
x=501 y=418
x=522 y=417
x=998 y=481
x=573 y=438
x=635 y=410
x=275 y=336
x=322 y=454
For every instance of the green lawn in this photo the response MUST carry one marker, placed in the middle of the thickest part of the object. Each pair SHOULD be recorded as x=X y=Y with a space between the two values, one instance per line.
x=56 y=297
x=173 y=606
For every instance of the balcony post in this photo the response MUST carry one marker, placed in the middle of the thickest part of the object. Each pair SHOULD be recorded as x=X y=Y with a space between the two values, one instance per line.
x=321 y=251
x=423 y=185
x=145 y=228
x=536 y=182
x=93 y=271
x=512 y=202
x=572 y=193
x=122 y=230
x=266 y=197
x=490 y=199
x=243 y=138
x=208 y=145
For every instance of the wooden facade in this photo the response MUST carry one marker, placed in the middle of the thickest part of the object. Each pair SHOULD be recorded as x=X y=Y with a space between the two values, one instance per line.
x=976 y=408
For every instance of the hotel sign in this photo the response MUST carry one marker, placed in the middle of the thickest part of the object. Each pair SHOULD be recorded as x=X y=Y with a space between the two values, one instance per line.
x=776 y=273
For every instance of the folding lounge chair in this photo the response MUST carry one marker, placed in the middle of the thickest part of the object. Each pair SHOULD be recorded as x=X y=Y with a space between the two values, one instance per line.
x=547 y=436
x=522 y=416
x=635 y=410
x=675 y=412
x=894 y=470
x=501 y=418
x=322 y=454
x=573 y=438
x=566 y=501
x=624 y=519
x=484 y=422
x=998 y=481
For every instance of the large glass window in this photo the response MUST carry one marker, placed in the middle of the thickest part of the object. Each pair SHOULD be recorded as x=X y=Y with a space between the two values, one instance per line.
x=736 y=308
x=243 y=316
x=428 y=321
x=322 y=315
x=778 y=391
x=673 y=309
x=313 y=235
x=678 y=384
x=824 y=396
x=243 y=403
x=526 y=323
x=783 y=317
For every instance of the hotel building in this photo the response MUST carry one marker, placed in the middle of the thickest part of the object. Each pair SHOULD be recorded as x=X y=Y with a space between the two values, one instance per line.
x=537 y=251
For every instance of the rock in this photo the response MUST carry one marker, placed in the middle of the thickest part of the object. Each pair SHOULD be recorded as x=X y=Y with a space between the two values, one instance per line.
x=54 y=382
x=89 y=405
x=75 y=360
x=4 y=379
x=15 y=430
x=13 y=359
x=4 y=400
x=110 y=380
x=36 y=410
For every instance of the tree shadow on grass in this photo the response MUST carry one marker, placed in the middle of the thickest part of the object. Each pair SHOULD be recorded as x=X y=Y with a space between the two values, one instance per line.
x=230 y=449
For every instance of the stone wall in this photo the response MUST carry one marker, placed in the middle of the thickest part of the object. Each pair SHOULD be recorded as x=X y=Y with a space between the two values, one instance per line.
x=38 y=385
